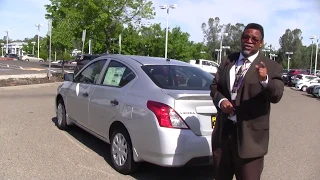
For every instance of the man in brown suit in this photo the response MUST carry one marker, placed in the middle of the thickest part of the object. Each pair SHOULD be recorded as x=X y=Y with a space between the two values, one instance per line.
x=245 y=85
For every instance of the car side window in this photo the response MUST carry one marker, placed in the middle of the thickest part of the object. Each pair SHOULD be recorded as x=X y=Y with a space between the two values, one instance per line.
x=117 y=75
x=91 y=73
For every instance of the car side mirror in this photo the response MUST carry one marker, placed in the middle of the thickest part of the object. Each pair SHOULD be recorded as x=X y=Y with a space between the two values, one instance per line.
x=68 y=77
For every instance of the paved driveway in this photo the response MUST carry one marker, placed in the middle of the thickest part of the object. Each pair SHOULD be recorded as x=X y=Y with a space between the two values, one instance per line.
x=33 y=148
x=23 y=67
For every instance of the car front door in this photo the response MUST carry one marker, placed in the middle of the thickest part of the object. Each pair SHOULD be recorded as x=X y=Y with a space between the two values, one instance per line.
x=81 y=90
x=107 y=99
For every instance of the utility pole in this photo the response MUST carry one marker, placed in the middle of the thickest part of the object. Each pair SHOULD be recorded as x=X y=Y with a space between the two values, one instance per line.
x=38 y=26
x=50 y=33
x=289 y=53
x=7 y=48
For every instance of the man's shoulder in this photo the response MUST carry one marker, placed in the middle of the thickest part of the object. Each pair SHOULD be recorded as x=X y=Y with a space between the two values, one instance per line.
x=271 y=63
x=231 y=57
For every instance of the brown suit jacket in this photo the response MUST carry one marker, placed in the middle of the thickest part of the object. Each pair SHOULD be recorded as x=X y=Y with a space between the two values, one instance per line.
x=252 y=104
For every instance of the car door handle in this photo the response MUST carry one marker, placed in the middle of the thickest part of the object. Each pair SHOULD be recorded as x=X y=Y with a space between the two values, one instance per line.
x=114 y=102
x=85 y=94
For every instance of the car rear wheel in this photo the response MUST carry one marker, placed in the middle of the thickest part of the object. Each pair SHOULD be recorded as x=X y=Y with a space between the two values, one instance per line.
x=41 y=61
x=304 y=88
x=121 y=152
x=61 y=116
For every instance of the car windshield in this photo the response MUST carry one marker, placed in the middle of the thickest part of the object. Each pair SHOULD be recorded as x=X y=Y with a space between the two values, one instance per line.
x=179 y=77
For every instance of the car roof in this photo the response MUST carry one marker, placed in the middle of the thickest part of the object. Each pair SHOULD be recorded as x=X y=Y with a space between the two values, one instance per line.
x=147 y=60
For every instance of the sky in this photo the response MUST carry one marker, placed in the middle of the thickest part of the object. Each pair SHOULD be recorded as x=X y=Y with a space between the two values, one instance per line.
x=20 y=16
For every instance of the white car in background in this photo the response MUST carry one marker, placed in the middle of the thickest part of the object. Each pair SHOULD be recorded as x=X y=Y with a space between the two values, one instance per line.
x=206 y=65
x=31 y=58
x=303 y=85
x=302 y=78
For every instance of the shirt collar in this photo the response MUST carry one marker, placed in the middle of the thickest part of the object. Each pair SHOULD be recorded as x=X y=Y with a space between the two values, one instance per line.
x=250 y=58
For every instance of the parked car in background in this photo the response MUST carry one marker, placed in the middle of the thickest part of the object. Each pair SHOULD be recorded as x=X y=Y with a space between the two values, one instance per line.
x=316 y=91
x=284 y=73
x=82 y=60
x=304 y=84
x=31 y=58
x=300 y=78
x=291 y=75
x=14 y=56
x=310 y=89
x=206 y=65
x=149 y=109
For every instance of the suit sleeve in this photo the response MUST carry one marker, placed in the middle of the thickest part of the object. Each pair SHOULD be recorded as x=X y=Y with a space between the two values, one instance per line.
x=215 y=88
x=275 y=87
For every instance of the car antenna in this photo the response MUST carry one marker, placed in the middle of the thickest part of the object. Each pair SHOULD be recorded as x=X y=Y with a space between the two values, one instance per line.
x=168 y=59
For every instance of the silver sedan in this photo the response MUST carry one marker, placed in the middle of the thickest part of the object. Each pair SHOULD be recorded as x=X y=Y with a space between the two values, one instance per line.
x=149 y=109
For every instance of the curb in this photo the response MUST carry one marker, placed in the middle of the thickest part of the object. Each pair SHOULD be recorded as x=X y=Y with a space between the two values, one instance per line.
x=31 y=86
x=18 y=76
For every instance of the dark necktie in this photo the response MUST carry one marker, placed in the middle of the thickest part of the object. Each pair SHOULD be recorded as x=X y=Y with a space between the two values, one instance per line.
x=239 y=75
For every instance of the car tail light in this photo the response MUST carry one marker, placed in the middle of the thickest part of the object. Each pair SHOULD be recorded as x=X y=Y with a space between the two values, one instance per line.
x=167 y=117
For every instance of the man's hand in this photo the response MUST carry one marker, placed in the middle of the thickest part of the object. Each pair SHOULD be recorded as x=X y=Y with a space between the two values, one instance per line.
x=227 y=107
x=262 y=71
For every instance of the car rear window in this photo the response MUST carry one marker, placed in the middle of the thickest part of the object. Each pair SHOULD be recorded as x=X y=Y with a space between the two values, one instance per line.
x=179 y=77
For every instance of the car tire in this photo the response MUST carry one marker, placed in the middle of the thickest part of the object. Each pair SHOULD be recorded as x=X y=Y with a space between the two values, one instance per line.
x=121 y=135
x=61 y=116
x=40 y=61
x=27 y=60
x=304 y=88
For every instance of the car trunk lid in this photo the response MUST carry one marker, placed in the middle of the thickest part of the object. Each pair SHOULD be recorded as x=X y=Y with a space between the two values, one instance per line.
x=196 y=109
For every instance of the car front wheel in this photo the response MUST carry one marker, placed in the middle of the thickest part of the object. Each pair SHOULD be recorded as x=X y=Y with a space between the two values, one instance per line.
x=121 y=152
x=61 y=116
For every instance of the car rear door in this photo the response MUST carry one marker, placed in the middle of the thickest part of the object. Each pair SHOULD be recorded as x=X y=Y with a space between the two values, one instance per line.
x=108 y=98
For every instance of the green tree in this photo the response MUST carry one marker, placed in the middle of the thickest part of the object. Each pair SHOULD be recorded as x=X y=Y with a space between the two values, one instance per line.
x=104 y=19
x=291 y=41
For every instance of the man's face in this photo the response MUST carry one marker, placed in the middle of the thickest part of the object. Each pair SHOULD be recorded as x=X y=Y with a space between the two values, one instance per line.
x=251 y=42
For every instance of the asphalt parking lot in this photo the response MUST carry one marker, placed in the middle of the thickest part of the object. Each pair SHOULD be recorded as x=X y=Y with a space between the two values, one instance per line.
x=33 y=148
x=22 y=67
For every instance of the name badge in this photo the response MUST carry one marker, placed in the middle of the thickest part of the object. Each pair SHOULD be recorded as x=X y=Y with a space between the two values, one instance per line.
x=233 y=96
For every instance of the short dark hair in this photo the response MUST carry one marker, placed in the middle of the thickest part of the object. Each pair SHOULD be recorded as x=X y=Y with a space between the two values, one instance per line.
x=256 y=27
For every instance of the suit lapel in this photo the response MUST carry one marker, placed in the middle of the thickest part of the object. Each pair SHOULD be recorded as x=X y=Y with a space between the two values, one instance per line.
x=232 y=61
x=252 y=69
x=250 y=74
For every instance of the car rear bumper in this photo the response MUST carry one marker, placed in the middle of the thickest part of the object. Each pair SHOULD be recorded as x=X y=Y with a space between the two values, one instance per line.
x=175 y=147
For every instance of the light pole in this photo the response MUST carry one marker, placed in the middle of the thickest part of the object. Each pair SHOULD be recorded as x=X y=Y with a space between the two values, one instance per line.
x=274 y=55
x=7 y=48
x=270 y=48
x=221 y=40
x=218 y=54
x=50 y=33
x=265 y=51
x=38 y=26
x=2 y=45
x=167 y=7
x=289 y=53
x=312 y=37
x=33 y=43
x=225 y=47
x=316 y=60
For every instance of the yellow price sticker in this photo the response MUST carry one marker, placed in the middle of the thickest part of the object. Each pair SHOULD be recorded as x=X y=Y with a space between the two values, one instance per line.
x=213 y=121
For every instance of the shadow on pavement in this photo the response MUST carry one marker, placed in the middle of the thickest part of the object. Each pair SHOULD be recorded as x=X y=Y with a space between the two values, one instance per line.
x=146 y=171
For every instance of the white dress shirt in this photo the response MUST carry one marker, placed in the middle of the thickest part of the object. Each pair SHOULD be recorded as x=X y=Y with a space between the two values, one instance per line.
x=233 y=71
